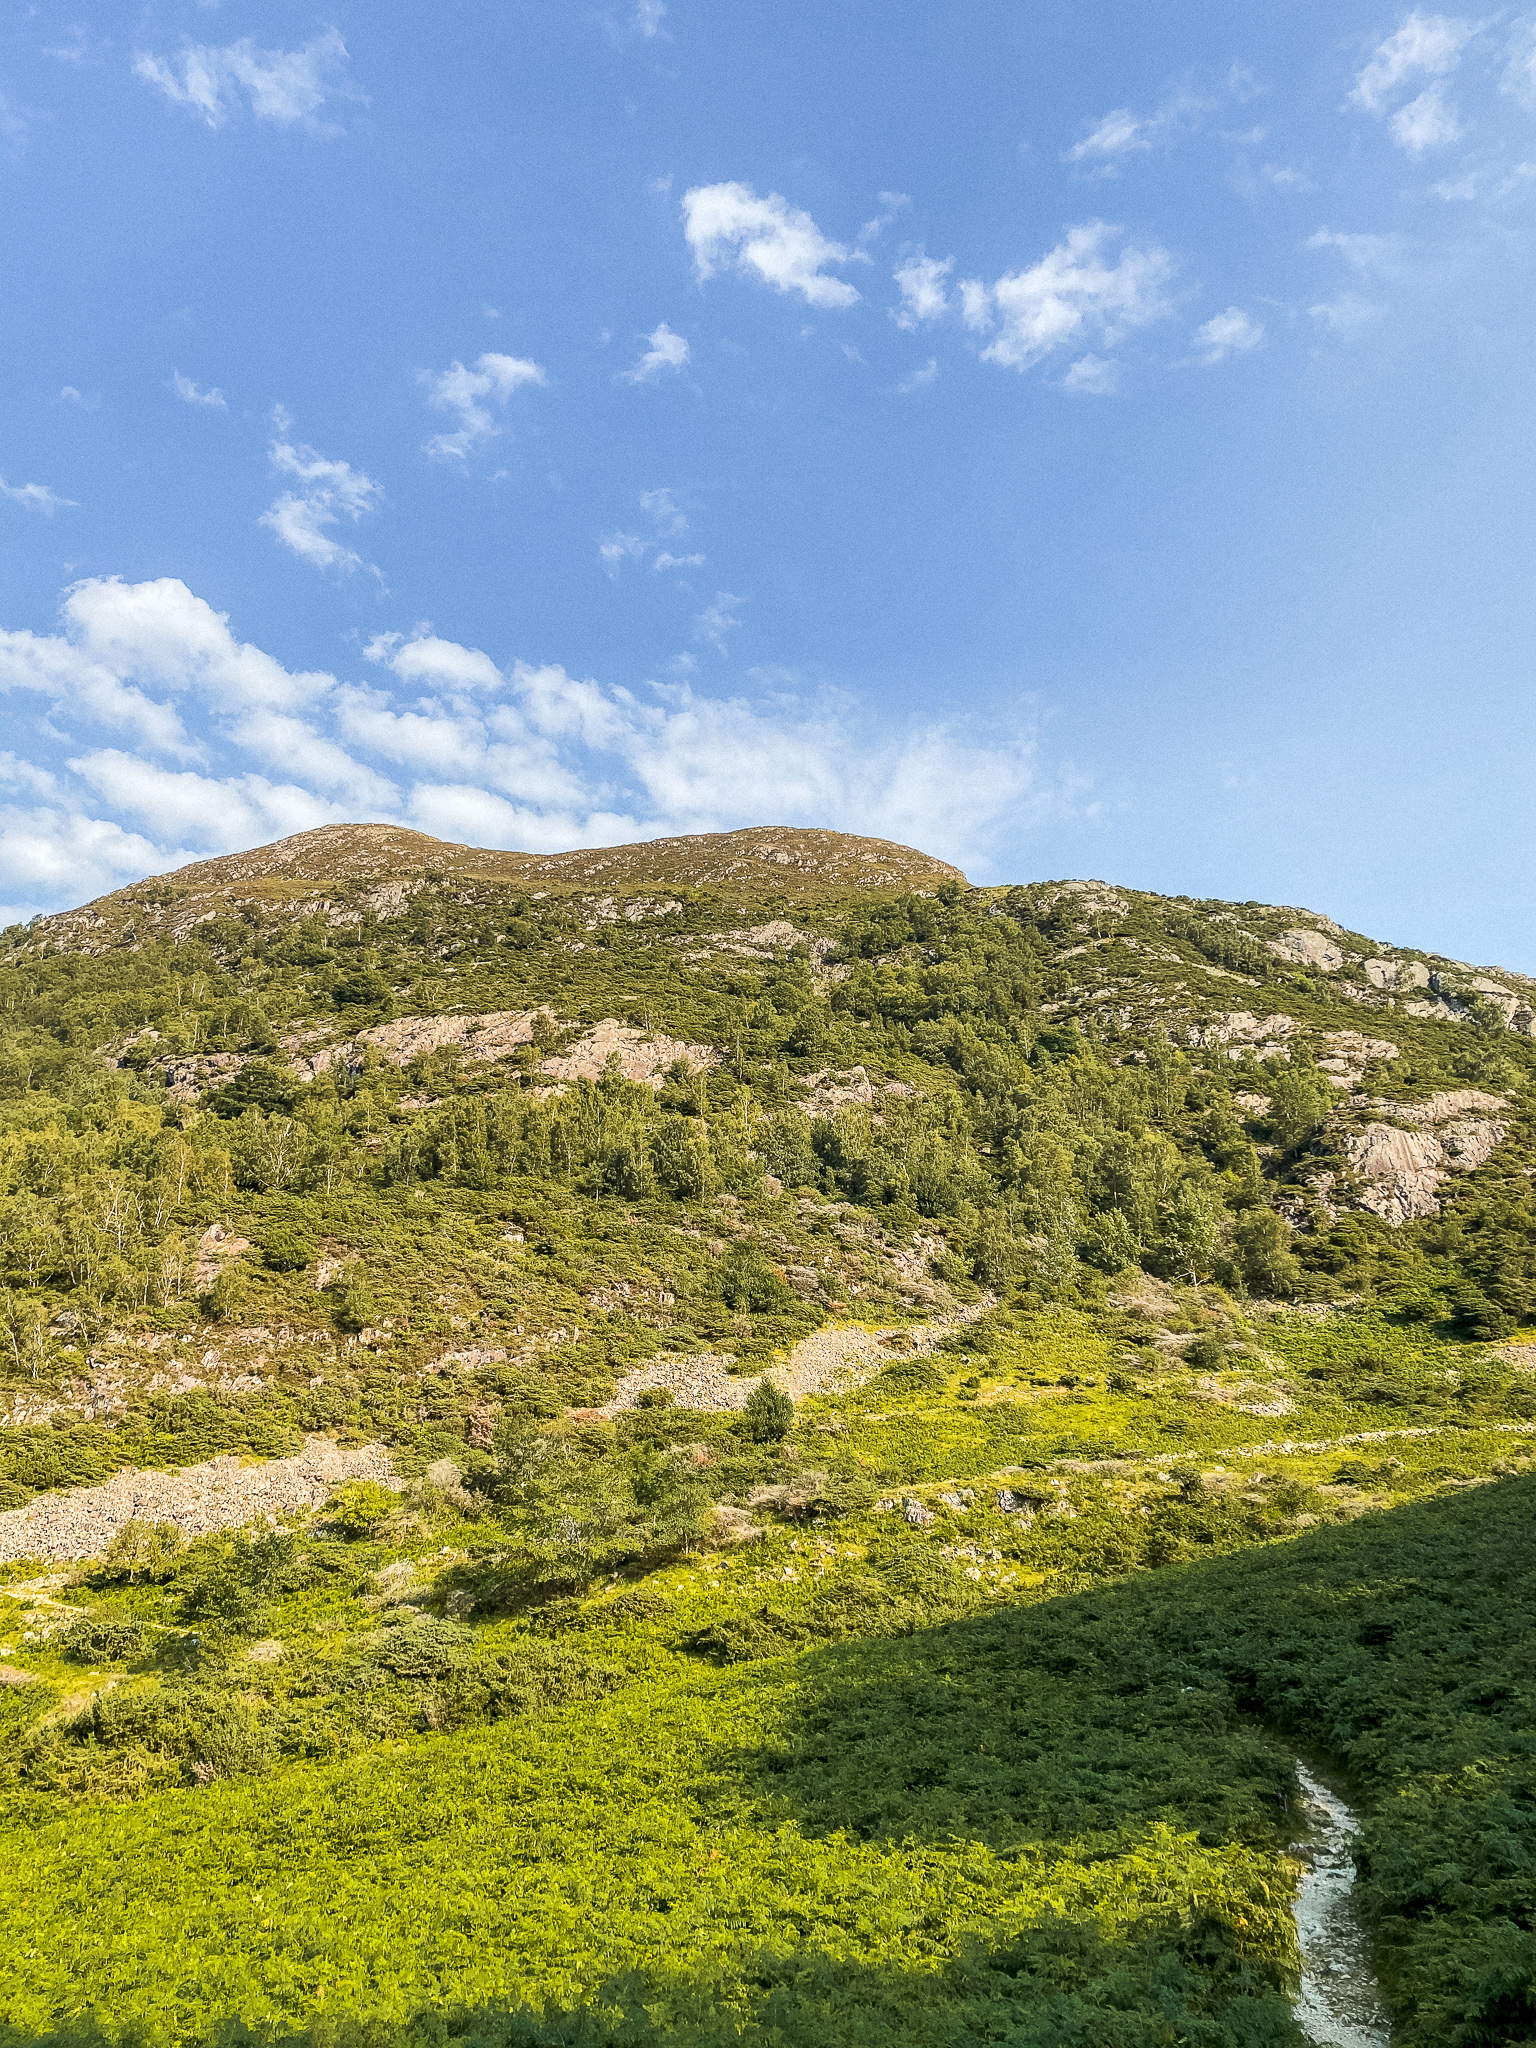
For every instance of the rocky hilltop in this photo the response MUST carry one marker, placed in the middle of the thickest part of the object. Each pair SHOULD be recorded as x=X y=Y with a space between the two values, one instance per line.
x=342 y=871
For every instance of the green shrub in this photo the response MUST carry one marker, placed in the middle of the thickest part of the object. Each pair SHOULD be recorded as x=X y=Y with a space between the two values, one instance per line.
x=360 y=1505
x=103 y=1642
x=286 y=1249
x=141 y=1551
x=769 y=1414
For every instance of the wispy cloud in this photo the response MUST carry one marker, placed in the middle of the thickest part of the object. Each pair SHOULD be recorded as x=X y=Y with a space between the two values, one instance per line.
x=329 y=492
x=920 y=378
x=1519 y=78
x=77 y=48
x=665 y=351
x=1073 y=293
x=288 y=87
x=1093 y=376
x=716 y=620
x=73 y=395
x=729 y=227
x=648 y=17
x=1347 y=313
x=184 y=388
x=891 y=204
x=669 y=521
x=36 y=497
x=1225 y=334
x=615 y=549
x=1423 y=46
x=1123 y=133
x=467 y=395
x=1428 y=122
x=1371 y=255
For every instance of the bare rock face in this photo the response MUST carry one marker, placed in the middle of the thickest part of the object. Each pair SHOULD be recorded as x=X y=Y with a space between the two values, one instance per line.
x=1402 y=1168
x=1243 y=1032
x=1396 y=974
x=642 y=1056
x=1305 y=947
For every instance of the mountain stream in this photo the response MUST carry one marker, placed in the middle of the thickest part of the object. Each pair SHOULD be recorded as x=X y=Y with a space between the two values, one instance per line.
x=1339 y=2004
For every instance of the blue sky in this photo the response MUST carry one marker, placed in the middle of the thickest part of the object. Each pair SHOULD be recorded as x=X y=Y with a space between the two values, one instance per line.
x=1073 y=441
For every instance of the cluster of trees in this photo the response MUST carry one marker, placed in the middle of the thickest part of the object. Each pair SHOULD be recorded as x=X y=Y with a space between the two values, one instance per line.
x=1043 y=1150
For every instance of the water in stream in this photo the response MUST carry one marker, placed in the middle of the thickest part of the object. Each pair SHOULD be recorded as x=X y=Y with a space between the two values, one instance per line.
x=1339 y=2005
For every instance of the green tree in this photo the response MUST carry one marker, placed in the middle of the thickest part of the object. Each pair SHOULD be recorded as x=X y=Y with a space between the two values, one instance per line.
x=768 y=1415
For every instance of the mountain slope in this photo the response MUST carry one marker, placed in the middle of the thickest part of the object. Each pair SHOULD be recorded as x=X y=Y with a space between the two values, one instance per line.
x=722 y=1267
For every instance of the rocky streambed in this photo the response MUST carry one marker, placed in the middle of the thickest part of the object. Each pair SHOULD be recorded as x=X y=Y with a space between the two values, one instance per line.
x=1339 y=2002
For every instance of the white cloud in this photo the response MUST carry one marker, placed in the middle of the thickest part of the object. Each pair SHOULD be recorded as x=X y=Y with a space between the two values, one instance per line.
x=1116 y=135
x=72 y=395
x=920 y=378
x=648 y=17
x=1519 y=79
x=1428 y=122
x=76 y=50
x=53 y=855
x=467 y=396
x=666 y=351
x=670 y=521
x=289 y=87
x=1122 y=133
x=36 y=497
x=1371 y=255
x=618 y=548
x=331 y=491
x=716 y=620
x=891 y=203
x=184 y=388
x=1286 y=178
x=1095 y=376
x=526 y=755
x=1424 y=46
x=923 y=295
x=1225 y=334
x=730 y=226
x=442 y=664
x=1346 y=314
x=1072 y=292
x=662 y=509
x=181 y=806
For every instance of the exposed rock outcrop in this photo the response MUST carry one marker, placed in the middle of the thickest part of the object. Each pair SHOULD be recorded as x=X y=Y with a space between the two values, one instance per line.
x=1402 y=1164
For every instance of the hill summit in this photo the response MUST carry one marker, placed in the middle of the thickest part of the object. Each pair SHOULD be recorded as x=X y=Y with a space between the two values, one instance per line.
x=370 y=864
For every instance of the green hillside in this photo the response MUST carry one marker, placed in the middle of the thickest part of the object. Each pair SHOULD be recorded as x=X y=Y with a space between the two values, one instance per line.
x=899 y=1409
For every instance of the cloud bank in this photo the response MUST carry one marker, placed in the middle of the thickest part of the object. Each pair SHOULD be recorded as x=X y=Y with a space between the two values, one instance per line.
x=178 y=740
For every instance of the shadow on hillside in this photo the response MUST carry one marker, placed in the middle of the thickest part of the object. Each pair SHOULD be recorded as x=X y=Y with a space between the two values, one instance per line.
x=1397 y=1641
x=1396 y=1646
x=1062 y=1986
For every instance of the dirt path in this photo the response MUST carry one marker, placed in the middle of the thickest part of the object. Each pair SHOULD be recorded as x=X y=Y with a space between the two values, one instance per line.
x=223 y=1494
